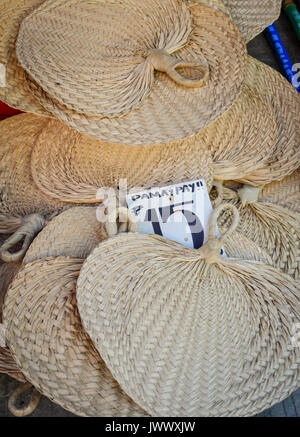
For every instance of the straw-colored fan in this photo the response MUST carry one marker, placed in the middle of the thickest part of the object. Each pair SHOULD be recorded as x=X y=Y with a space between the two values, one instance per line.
x=7 y=363
x=284 y=157
x=19 y=196
x=186 y=332
x=52 y=348
x=179 y=72
x=75 y=233
x=253 y=16
x=69 y=166
x=273 y=227
x=285 y=192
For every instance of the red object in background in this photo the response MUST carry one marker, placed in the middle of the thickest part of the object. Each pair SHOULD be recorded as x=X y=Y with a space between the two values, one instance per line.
x=7 y=111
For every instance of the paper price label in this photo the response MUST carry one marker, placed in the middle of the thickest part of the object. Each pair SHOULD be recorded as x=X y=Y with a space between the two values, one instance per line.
x=178 y=212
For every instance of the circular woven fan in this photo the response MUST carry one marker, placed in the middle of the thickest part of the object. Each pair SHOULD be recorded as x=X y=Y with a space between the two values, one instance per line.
x=250 y=16
x=74 y=233
x=18 y=193
x=240 y=140
x=50 y=345
x=7 y=363
x=277 y=92
x=147 y=98
x=274 y=228
x=187 y=333
x=285 y=193
x=253 y=16
x=72 y=167
x=15 y=92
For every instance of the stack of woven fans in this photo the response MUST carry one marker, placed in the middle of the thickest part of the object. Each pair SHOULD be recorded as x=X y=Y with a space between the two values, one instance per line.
x=104 y=320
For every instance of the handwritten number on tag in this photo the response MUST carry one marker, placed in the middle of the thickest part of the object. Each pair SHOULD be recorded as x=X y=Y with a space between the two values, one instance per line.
x=165 y=212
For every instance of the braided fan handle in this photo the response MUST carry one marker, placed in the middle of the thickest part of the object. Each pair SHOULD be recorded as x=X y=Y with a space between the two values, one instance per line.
x=162 y=61
x=30 y=227
x=211 y=250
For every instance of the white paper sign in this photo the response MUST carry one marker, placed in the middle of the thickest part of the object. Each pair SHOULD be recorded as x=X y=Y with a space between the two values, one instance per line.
x=178 y=212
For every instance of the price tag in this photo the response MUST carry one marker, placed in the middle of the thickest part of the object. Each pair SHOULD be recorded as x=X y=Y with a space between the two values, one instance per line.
x=178 y=212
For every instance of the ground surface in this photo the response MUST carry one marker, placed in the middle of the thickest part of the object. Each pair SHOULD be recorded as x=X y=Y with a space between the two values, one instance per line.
x=260 y=49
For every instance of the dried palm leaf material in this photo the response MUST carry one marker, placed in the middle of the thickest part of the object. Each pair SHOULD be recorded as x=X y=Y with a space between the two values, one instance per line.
x=285 y=193
x=274 y=228
x=283 y=159
x=187 y=332
x=15 y=92
x=252 y=16
x=71 y=167
x=237 y=245
x=8 y=225
x=240 y=140
x=7 y=363
x=215 y=4
x=74 y=233
x=178 y=72
x=19 y=196
x=51 y=347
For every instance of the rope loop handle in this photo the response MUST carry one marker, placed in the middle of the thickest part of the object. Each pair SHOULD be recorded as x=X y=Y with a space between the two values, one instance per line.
x=162 y=61
x=30 y=227
x=211 y=250
x=27 y=409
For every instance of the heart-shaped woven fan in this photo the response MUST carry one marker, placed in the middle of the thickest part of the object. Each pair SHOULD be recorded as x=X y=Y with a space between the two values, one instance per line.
x=51 y=347
x=187 y=333
x=274 y=228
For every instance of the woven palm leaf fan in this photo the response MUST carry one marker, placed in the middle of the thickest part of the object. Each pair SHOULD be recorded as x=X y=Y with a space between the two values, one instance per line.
x=186 y=332
x=51 y=347
x=81 y=382
x=23 y=206
x=8 y=365
x=240 y=140
x=72 y=167
x=74 y=233
x=273 y=227
x=178 y=72
x=277 y=92
x=285 y=193
x=250 y=16
x=253 y=16
x=18 y=194
x=14 y=93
